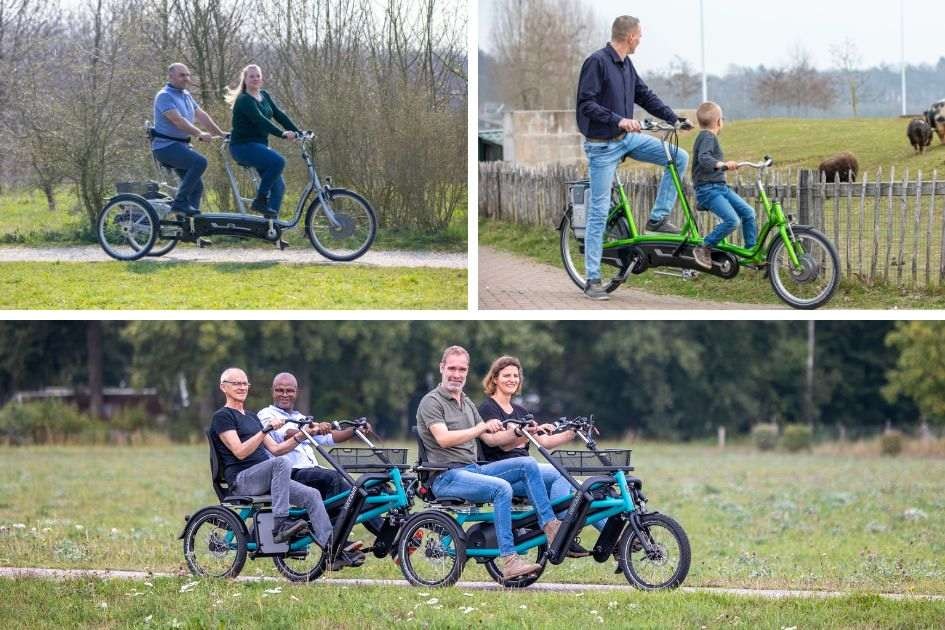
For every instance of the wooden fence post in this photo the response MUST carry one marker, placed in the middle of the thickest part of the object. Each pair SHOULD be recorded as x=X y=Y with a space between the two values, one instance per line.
x=804 y=190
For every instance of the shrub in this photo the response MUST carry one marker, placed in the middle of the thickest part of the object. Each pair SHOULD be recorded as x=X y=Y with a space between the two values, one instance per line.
x=797 y=437
x=765 y=436
x=48 y=422
x=890 y=442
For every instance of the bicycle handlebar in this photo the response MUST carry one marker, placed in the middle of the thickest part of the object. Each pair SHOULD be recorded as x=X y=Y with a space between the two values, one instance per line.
x=765 y=162
x=656 y=125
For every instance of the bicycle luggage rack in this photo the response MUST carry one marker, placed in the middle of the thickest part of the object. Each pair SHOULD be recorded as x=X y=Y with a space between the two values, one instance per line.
x=591 y=462
x=369 y=460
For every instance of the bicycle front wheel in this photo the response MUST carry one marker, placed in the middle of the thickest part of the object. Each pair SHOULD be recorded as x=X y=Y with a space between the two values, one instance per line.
x=342 y=229
x=572 y=255
x=304 y=565
x=666 y=565
x=811 y=284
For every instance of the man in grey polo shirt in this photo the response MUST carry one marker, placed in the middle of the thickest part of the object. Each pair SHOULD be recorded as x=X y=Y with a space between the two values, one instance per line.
x=175 y=111
x=449 y=424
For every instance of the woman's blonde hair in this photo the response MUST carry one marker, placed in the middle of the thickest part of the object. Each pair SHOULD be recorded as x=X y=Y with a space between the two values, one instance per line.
x=489 y=382
x=233 y=92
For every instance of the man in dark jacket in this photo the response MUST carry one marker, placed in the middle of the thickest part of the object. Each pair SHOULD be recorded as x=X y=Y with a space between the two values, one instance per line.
x=607 y=91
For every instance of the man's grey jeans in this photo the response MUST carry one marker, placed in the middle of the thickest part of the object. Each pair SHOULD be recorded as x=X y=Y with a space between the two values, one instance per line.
x=275 y=477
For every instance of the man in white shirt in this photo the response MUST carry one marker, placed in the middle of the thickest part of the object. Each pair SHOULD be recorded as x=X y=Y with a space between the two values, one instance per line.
x=306 y=468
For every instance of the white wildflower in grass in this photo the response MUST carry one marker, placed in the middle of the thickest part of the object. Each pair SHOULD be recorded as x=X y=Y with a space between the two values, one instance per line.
x=19 y=526
x=149 y=585
x=600 y=619
x=79 y=527
x=433 y=600
x=467 y=594
x=186 y=588
x=611 y=605
x=293 y=598
x=423 y=594
x=103 y=605
x=273 y=591
x=148 y=618
x=523 y=607
x=466 y=609
x=176 y=624
x=593 y=612
x=915 y=514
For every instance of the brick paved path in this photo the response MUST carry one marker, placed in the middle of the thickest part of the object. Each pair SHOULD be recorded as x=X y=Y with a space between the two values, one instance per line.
x=507 y=281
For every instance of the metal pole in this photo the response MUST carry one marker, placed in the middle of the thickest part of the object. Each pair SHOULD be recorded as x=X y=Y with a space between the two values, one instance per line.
x=705 y=83
x=902 y=51
x=809 y=393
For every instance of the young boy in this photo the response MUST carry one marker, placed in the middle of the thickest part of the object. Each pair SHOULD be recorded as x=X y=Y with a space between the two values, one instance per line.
x=708 y=176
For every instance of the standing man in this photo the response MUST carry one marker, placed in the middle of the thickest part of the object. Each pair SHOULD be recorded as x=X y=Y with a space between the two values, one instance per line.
x=175 y=111
x=607 y=90
x=448 y=424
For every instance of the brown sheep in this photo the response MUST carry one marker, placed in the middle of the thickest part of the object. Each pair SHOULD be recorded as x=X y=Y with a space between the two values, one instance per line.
x=843 y=164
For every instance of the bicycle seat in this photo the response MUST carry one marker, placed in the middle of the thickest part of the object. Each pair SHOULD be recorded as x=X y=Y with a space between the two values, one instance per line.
x=248 y=499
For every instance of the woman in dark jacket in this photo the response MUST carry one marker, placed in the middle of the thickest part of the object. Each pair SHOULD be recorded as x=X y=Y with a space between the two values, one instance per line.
x=253 y=113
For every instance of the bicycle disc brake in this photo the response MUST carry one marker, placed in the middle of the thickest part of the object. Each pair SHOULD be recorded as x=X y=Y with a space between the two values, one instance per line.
x=345 y=227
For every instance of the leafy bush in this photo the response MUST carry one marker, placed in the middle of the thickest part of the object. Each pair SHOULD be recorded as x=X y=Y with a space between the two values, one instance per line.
x=765 y=436
x=49 y=422
x=890 y=442
x=797 y=437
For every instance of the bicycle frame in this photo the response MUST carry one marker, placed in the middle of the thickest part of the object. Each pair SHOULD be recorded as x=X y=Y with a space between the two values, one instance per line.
x=776 y=221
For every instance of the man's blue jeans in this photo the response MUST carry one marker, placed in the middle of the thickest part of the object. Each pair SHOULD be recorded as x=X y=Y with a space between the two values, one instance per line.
x=268 y=164
x=492 y=483
x=723 y=202
x=189 y=166
x=556 y=485
x=603 y=158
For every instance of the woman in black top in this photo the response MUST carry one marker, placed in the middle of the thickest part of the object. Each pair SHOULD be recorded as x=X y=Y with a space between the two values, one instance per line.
x=502 y=382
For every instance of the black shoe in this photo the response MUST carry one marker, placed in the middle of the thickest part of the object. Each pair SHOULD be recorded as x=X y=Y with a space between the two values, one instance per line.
x=261 y=204
x=594 y=290
x=575 y=550
x=184 y=208
x=347 y=559
x=663 y=225
x=289 y=529
x=703 y=256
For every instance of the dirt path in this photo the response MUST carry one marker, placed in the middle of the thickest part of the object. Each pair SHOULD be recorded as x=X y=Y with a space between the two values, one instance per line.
x=508 y=281
x=189 y=253
x=62 y=574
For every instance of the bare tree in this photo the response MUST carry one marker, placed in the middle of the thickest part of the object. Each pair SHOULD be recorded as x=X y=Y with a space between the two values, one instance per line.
x=798 y=86
x=853 y=81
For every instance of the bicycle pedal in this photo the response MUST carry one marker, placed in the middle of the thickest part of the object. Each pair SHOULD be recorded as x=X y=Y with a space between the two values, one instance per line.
x=203 y=242
x=281 y=244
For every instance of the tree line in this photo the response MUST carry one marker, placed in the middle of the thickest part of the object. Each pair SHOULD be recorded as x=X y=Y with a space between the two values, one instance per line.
x=522 y=72
x=672 y=380
x=383 y=85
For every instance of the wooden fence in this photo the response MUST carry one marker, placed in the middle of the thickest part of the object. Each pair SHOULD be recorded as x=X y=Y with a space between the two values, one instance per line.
x=887 y=228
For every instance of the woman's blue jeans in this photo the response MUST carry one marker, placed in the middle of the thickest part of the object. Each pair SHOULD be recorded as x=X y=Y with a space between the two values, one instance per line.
x=269 y=164
x=558 y=487
x=492 y=483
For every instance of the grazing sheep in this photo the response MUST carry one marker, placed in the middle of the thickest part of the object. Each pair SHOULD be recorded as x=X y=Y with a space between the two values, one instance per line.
x=919 y=134
x=935 y=116
x=842 y=164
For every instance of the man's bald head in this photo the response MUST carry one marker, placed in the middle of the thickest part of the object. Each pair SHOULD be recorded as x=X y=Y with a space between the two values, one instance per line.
x=178 y=75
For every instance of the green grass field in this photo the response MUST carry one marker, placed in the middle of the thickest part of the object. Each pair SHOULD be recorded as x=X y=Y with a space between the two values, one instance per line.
x=161 y=285
x=541 y=244
x=817 y=521
x=26 y=220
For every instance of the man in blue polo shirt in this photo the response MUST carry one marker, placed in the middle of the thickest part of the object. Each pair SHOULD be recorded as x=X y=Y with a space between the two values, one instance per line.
x=175 y=111
x=607 y=91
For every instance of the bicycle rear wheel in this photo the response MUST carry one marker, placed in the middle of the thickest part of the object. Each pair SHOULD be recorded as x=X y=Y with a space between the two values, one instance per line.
x=572 y=255
x=215 y=543
x=127 y=227
x=431 y=550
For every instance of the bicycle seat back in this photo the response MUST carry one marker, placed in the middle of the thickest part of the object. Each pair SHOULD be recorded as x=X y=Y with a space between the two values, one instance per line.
x=221 y=487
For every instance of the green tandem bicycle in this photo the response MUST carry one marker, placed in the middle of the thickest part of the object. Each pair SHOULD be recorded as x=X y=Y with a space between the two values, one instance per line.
x=801 y=262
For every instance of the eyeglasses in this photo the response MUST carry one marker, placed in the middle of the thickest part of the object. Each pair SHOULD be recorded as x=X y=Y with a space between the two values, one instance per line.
x=280 y=390
x=236 y=383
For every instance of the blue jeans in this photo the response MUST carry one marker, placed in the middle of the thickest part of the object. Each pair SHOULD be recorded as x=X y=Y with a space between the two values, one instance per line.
x=728 y=206
x=556 y=485
x=603 y=159
x=189 y=166
x=268 y=164
x=492 y=483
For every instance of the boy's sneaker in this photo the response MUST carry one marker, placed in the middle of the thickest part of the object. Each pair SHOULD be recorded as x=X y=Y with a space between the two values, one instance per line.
x=594 y=290
x=517 y=566
x=663 y=225
x=703 y=256
x=575 y=550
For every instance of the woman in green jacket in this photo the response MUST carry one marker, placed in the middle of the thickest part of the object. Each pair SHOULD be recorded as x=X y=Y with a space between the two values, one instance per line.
x=253 y=112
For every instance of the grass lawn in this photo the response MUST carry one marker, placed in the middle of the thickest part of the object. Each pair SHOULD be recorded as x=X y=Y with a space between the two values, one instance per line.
x=151 y=285
x=171 y=603
x=809 y=521
x=542 y=244
x=25 y=220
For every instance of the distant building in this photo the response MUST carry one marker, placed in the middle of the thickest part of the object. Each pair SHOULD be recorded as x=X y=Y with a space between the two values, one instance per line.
x=490 y=145
x=114 y=398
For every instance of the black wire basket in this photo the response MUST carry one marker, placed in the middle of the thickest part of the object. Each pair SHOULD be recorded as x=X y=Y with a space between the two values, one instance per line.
x=369 y=460
x=589 y=462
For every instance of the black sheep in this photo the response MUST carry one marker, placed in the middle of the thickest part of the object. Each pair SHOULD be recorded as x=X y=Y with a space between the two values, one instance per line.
x=843 y=164
x=919 y=134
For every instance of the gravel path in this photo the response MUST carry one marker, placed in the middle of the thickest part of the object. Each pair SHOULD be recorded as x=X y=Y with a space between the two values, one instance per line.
x=507 y=281
x=61 y=574
x=189 y=253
